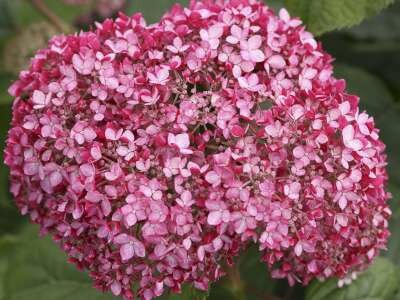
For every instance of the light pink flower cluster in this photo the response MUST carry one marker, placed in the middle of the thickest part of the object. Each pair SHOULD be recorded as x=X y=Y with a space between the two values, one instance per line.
x=153 y=154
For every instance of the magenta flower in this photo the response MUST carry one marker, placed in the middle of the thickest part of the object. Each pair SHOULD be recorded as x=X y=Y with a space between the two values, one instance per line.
x=155 y=154
x=212 y=35
x=129 y=247
x=250 y=49
x=218 y=212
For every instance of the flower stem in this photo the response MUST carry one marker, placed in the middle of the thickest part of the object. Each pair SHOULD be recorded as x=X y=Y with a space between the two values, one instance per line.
x=48 y=14
x=236 y=285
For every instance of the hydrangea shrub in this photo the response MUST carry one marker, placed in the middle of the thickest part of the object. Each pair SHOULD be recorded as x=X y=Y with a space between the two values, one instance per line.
x=155 y=154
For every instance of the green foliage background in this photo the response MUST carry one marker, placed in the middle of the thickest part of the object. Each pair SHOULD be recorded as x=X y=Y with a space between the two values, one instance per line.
x=367 y=56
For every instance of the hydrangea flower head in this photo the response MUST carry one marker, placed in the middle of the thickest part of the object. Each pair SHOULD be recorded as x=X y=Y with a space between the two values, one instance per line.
x=155 y=154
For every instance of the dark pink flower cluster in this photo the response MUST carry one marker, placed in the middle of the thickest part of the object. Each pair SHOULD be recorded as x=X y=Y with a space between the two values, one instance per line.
x=155 y=154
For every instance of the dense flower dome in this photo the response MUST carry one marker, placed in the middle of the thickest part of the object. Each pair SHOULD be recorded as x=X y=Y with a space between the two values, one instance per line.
x=155 y=154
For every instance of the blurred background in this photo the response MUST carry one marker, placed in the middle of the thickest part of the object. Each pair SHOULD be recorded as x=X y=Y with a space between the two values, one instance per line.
x=367 y=56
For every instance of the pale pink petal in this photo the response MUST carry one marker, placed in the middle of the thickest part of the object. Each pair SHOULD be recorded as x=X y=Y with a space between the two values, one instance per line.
x=356 y=175
x=77 y=62
x=106 y=207
x=214 y=43
x=182 y=140
x=214 y=218
x=284 y=15
x=348 y=133
x=236 y=31
x=257 y=56
x=122 y=238
x=342 y=220
x=277 y=62
x=55 y=178
x=116 y=288
x=139 y=248
x=87 y=170
x=298 y=151
x=298 y=249
x=309 y=73
x=215 y=31
x=213 y=178
x=342 y=202
x=296 y=111
x=204 y=34
x=201 y=253
x=127 y=251
x=130 y=220
x=254 y=42
x=95 y=152
x=232 y=39
x=38 y=97
x=356 y=145
x=31 y=168
x=94 y=196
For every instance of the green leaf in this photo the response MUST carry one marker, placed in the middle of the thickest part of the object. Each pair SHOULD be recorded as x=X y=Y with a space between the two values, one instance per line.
x=393 y=252
x=152 y=10
x=383 y=27
x=7 y=16
x=381 y=57
x=379 y=282
x=38 y=269
x=275 y=4
x=219 y=291
x=250 y=279
x=231 y=286
x=5 y=82
x=7 y=244
x=19 y=49
x=27 y=14
x=374 y=95
x=326 y=15
x=10 y=219
x=188 y=293
x=255 y=275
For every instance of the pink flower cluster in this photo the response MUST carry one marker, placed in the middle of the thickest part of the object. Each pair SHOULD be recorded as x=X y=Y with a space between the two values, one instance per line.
x=155 y=154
